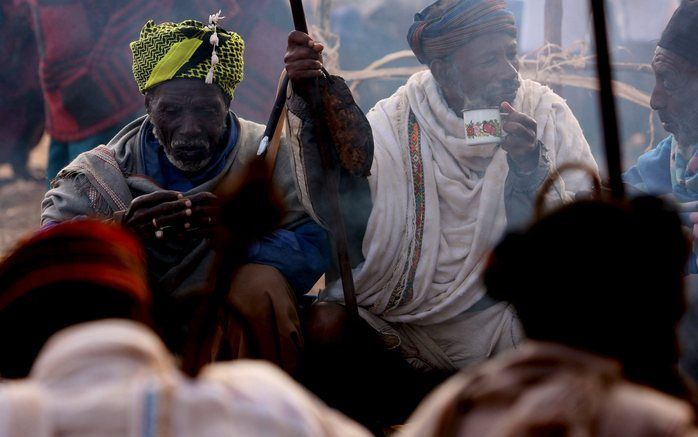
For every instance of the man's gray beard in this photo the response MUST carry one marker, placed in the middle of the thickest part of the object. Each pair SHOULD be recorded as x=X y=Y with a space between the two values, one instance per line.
x=187 y=167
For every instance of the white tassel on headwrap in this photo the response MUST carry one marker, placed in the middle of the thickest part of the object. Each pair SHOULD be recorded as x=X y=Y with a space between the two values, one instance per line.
x=212 y=24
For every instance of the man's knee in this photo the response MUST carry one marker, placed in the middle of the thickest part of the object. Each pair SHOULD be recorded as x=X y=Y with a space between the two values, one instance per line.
x=263 y=317
x=326 y=324
x=256 y=288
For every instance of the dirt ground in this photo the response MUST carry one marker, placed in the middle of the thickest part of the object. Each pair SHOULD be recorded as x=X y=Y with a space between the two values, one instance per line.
x=20 y=201
x=19 y=210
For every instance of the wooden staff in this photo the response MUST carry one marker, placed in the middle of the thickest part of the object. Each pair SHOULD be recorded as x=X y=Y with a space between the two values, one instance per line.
x=553 y=30
x=274 y=117
x=607 y=101
x=330 y=168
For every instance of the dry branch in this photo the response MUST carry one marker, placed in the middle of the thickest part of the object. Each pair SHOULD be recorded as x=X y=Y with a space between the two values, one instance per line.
x=549 y=65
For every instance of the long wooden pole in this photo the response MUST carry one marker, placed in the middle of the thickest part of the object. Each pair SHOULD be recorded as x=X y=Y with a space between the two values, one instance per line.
x=274 y=116
x=329 y=166
x=607 y=101
x=553 y=29
x=553 y=22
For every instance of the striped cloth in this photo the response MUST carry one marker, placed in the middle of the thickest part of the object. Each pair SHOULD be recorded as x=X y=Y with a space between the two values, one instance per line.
x=78 y=251
x=85 y=62
x=444 y=26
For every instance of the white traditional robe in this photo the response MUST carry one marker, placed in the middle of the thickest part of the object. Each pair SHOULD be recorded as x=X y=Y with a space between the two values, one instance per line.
x=439 y=208
x=115 y=378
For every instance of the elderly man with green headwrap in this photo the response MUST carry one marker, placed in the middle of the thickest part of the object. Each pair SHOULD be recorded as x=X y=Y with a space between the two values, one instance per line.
x=158 y=175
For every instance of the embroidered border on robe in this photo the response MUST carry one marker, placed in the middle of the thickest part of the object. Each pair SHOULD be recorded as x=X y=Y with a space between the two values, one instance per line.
x=405 y=287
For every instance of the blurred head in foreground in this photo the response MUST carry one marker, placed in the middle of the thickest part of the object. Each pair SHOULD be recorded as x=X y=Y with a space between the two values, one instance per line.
x=68 y=274
x=602 y=277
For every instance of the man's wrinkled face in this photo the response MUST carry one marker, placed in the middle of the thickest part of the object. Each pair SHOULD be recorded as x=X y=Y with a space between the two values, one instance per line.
x=189 y=119
x=675 y=95
x=483 y=73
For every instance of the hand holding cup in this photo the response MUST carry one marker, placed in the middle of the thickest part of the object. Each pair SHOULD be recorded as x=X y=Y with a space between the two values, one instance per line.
x=520 y=140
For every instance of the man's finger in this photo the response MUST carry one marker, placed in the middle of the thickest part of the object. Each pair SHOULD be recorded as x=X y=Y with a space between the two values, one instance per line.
x=146 y=215
x=523 y=119
x=203 y=198
x=306 y=74
x=517 y=117
x=177 y=219
x=300 y=54
x=303 y=65
x=205 y=210
x=205 y=215
x=296 y=37
x=506 y=108
x=516 y=146
x=520 y=131
x=510 y=146
x=155 y=198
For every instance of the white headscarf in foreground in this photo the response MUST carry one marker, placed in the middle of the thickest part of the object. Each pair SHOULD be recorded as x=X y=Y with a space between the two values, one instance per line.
x=438 y=206
x=116 y=378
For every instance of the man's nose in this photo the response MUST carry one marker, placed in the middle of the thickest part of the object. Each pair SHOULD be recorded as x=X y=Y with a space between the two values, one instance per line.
x=191 y=125
x=658 y=98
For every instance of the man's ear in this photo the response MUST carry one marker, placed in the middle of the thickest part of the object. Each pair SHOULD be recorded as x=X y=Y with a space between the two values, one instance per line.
x=148 y=102
x=226 y=99
x=440 y=70
x=443 y=72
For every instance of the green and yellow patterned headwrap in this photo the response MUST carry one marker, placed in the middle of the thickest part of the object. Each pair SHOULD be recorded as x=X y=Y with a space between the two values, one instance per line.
x=185 y=50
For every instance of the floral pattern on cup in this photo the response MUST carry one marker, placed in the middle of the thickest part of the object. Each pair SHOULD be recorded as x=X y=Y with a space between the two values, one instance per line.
x=485 y=128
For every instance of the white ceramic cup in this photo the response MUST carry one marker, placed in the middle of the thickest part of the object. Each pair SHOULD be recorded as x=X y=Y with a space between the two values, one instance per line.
x=482 y=126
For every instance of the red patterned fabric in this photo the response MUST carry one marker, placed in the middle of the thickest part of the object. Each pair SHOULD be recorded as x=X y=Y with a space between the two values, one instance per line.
x=85 y=60
x=82 y=251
